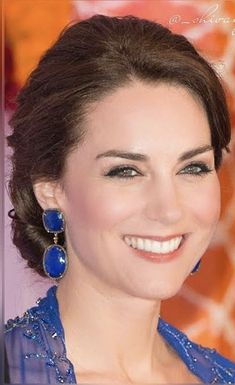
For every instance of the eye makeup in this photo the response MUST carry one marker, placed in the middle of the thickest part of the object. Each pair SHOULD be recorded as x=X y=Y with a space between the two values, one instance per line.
x=196 y=168
x=123 y=172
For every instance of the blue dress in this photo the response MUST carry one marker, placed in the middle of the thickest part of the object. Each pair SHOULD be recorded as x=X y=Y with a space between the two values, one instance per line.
x=37 y=355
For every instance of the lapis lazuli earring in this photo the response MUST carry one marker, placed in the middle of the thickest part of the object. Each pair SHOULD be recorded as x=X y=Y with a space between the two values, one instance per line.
x=196 y=267
x=55 y=260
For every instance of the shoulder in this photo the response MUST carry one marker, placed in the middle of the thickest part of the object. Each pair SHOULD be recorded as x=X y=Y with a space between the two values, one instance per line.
x=34 y=322
x=30 y=325
x=23 y=340
x=37 y=322
x=204 y=362
x=34 y=346
x=219 y=368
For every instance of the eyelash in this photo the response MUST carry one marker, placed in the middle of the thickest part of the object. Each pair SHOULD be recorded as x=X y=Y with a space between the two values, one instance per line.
x=202 y=168
x=119 y=172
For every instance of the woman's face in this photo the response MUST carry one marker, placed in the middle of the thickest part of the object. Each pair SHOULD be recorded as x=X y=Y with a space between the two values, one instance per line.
x=143 y=178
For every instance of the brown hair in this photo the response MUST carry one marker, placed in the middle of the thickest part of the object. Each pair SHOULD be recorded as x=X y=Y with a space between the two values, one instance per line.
x=90 y=59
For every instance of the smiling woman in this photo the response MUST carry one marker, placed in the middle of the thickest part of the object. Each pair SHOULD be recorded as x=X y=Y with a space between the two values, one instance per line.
x=117 y=140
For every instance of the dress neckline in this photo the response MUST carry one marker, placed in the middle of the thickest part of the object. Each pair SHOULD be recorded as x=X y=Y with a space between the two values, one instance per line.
x=173 y=337
x=204 y=363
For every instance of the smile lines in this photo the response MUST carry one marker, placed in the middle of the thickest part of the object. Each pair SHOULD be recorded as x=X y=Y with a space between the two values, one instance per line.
x=150 y=245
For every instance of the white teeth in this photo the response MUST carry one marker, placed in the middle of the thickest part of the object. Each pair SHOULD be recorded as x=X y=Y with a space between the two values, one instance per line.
x=147 y=245
x=154 y=246
x=128 y=241
x=140 y=243
x=165 y=247
x=177 y=242
x=133 y=242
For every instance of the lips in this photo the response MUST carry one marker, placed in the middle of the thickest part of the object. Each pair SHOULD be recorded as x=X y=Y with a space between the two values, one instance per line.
x=160 y=249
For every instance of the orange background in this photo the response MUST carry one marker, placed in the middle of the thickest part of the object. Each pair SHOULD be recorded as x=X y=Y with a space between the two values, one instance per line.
x=205 y=307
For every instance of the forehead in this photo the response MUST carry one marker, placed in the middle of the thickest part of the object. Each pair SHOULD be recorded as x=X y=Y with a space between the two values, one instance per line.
x=148 y=118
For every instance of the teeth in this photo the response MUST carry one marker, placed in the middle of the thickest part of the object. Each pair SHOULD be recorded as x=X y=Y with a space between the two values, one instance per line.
x=154 y=246
x=165 y=247
x=134 y=242
x=147 y=245
x=140 y=243
x=128 y=241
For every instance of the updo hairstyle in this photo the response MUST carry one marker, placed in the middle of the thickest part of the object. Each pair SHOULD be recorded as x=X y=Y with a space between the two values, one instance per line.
x=89 y=60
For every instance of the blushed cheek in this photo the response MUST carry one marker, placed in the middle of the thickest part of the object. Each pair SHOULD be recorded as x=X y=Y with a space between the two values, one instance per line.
x=206 y=205
x=100 y=209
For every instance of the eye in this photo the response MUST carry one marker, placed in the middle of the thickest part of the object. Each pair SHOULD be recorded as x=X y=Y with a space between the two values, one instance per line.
x=123 y=172
x=196 y=169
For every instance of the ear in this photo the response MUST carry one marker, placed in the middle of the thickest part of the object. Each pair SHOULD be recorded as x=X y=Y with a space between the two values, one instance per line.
x=47 y=194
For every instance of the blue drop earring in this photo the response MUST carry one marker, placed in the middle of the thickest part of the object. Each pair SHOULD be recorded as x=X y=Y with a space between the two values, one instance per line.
x=55 y=261
x=196 y=267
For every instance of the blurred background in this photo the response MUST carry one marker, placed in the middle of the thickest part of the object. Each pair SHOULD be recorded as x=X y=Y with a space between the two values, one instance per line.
x=205 y=307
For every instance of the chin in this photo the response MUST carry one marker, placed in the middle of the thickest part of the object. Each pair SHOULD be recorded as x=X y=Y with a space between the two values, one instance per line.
x=158 y=290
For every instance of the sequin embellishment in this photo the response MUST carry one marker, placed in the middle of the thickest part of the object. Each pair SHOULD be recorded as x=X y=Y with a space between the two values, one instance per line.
x=42 y=327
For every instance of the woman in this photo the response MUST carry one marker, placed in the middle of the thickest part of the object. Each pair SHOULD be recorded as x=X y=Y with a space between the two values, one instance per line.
x=117 y=139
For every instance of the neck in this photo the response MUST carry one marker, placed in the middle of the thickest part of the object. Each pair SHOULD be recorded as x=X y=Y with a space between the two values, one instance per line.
x=109 y=329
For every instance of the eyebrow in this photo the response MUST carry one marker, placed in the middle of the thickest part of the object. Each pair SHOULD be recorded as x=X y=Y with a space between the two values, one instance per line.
x=144 y=158
x=123 y=154
x=195 y=151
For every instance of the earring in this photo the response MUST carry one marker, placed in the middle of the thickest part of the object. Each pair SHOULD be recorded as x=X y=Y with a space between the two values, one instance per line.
x=196 y=267
x=55 y=261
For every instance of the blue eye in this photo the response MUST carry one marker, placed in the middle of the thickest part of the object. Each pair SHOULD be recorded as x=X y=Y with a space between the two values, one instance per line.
x=196 y=169
x=123 y=172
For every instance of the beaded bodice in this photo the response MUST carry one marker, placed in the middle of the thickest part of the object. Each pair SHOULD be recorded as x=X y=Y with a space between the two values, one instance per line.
x=37 y=354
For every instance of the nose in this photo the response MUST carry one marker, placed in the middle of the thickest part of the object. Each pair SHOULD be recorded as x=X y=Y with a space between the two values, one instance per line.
x=164 y=203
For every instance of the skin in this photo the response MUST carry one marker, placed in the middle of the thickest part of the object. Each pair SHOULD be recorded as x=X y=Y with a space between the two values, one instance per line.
x=114 y=296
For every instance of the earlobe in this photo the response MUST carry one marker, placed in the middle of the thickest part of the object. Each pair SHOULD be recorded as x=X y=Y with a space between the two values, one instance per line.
x=46 y=194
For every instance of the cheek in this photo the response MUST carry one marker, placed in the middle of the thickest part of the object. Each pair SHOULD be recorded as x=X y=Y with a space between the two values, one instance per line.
x=98 y=208
x=205 y=205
